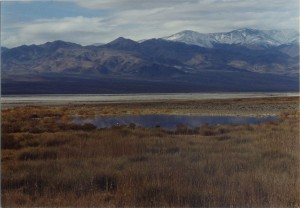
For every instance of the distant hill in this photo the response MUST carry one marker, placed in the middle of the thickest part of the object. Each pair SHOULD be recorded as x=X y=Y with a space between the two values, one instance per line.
x=155 y=65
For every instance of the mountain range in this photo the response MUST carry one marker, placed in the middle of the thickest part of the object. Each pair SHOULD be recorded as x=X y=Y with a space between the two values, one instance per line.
x=240 y=60
x=245 y=36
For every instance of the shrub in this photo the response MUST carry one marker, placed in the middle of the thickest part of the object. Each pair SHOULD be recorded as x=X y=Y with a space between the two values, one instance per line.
x=172 y=150
x=88 y=127
x=223 y=130
x=34 y=184
x=10 y=128
x=223 y=137
x=207 y=132
x=32 y=143
x=155 y=196
x=74 y=127
x=275 y=154
x=150 y=196
x=55 y=142
x=138 y=159
x=132 y=125
x=35 y=130
x=105 y=182
x=9 y=142
x=182 y=129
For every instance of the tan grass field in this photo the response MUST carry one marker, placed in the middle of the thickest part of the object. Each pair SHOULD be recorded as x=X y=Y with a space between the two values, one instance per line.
x=46 y=160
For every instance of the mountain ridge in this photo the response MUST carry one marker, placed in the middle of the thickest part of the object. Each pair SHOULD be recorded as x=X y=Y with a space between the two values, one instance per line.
x=243 y=36
x=184 y=67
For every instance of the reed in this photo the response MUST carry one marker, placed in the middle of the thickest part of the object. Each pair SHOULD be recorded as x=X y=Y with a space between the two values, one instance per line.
x=209 y=166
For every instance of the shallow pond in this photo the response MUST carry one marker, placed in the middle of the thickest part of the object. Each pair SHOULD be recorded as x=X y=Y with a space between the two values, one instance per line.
x=170 y=121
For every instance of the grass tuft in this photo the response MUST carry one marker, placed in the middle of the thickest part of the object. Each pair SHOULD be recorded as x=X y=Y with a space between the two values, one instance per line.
x=37 y=155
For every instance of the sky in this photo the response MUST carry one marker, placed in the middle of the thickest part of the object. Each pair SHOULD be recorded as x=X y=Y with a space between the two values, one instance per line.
x=100 y=21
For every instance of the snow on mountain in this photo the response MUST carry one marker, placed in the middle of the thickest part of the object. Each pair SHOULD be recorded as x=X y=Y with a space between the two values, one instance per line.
x=284 y=36
x=192 y=38
x=244 y=36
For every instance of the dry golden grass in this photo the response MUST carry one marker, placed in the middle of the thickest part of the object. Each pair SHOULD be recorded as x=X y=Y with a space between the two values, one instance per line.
x=50 y=163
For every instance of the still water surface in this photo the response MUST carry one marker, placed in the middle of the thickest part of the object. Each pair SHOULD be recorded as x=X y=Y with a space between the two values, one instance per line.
x=170 y=121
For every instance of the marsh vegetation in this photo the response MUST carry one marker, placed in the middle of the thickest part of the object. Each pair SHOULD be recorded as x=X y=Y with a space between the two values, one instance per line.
x=49 y=161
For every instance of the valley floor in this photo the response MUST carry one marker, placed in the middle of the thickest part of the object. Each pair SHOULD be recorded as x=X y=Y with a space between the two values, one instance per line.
x=49 y=161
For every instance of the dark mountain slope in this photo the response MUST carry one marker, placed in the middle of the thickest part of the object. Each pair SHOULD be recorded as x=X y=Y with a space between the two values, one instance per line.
x=154 y=65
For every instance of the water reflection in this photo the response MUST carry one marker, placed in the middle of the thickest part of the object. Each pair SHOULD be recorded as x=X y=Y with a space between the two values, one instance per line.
x=170 y=121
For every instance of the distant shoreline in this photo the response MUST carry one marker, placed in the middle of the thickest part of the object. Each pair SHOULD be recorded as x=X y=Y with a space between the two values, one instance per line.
x=77 y=99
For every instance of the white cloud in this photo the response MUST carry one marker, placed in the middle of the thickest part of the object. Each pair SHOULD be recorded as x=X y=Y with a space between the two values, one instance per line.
x=138 y=19
x=75 y=29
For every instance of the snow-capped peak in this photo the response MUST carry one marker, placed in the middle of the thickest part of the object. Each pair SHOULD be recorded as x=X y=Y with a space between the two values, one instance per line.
x=243 y=36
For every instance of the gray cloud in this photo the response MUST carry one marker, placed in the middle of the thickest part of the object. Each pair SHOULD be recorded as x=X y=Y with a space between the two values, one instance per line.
x=118 y=5
x=138 y=19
